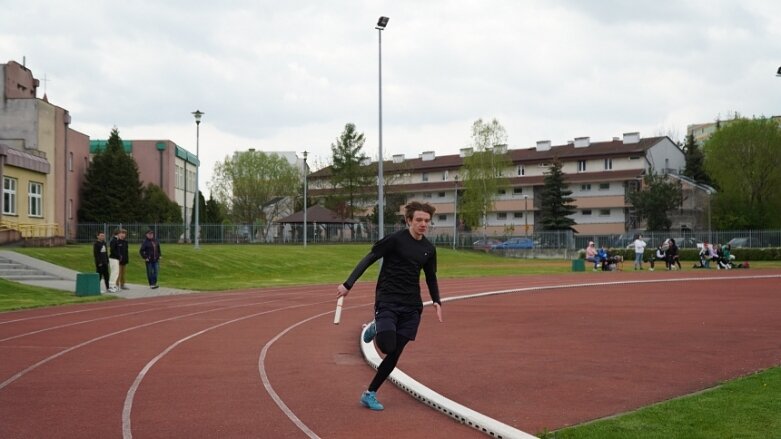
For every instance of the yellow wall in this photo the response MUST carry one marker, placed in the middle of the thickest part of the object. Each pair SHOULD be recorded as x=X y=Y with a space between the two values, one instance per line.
x=23 y=177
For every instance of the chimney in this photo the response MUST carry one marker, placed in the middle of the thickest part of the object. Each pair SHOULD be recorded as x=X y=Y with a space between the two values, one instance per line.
x=630 y=138
x=398 y=158
x=466 y=152
x=582 y=142
x=427 y=156
x=543 y=145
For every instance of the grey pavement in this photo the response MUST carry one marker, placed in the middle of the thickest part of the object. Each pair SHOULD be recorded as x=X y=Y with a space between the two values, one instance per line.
x=61 y=278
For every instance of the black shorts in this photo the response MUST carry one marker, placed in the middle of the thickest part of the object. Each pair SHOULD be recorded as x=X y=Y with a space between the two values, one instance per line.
x=399 y=318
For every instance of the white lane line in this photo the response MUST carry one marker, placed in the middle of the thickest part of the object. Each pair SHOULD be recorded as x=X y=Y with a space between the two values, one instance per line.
x=472 y=418
x=127 y=432
x=51 y=328
x=228 y=299
x=104 y=336
x=267 y=383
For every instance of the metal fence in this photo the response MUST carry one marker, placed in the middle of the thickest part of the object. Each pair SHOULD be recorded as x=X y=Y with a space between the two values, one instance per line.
x=367 y=233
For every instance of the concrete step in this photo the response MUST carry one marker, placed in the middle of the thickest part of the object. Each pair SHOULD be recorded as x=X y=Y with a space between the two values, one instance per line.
x=24 y=277
x=19 y=271
x=10 y=266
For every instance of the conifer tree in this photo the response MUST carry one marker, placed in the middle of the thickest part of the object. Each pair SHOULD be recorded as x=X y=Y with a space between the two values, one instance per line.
x=112 y=190
x=556 y=203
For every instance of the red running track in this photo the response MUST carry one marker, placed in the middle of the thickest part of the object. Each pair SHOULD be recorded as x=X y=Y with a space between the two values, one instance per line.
x=269 y=363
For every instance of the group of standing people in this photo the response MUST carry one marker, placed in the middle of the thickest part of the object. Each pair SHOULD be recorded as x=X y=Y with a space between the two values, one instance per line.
x=111 y=259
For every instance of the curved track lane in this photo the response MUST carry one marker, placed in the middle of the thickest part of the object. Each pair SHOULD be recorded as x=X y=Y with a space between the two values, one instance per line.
x=269 y=363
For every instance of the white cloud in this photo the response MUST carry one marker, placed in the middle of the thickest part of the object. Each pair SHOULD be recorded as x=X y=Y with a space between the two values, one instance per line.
x=289 y=75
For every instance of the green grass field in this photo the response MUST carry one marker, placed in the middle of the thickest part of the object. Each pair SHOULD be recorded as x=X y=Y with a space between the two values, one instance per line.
x=744 y=408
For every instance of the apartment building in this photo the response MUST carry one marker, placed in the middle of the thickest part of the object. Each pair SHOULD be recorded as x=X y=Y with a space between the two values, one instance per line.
x=599 y=174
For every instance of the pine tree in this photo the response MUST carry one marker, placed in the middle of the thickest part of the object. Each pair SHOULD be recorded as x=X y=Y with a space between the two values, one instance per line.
x=556 y=203
x=695 y=161
x=112 y=190
x=349 y=172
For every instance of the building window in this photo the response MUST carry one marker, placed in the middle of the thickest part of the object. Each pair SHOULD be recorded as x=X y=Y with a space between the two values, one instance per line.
x=604 y=186
x=585 y=212
x=424 y=176
x=9 y=196
x=634 y=157
x=517 y=214
x=501 y=191
x=442 y=217
x=608 y=164
x=34 y=199
x=604 y=212
x=501 y=216
x=581 y=166
x=521 y=170
x=70 y=209
x=517 y=190
x=441 y=194
x=427 y=195
x=70 y=162
x=444 y=176
x=585 y=187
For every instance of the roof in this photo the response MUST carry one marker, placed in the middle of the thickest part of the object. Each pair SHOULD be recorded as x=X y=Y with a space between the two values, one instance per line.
x=316 y=214
x=612 y=148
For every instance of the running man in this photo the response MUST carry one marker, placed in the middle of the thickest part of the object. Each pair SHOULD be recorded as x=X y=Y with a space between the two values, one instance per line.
x=398 y=304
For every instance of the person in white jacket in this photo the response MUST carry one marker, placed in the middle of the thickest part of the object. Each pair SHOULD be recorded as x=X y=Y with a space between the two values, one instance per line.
x=639 y=250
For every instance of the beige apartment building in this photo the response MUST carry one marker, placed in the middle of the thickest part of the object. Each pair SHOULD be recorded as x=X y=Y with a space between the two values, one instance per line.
x=599 y=174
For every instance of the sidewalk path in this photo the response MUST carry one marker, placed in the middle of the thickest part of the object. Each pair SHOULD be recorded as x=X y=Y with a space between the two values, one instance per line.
x=67 y=278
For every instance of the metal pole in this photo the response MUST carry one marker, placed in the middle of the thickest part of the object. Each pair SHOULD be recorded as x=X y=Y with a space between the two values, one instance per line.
x=305 y=172
x=455 y=212
x=197 y=114
x=380 y=182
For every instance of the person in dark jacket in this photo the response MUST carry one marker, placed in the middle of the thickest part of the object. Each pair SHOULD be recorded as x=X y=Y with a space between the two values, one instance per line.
x=398 y=303
x=100 y=253
x=118 y=257
x=150 y=251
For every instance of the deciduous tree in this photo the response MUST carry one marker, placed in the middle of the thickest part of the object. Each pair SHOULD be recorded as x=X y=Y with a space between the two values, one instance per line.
x=484 y=171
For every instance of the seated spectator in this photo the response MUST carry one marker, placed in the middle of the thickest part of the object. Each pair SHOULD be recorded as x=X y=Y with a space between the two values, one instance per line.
x=725 y=258
x=603 y=258
x=706 y=255
x=672 y=256
x=659 y=255
x=591 y=254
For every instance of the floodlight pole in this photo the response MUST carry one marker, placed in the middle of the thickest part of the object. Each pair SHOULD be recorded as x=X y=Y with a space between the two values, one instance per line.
x=198 y=114
x=305 y=172
x=381 y=23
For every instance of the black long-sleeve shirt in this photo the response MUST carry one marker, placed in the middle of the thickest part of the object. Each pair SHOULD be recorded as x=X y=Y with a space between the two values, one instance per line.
x=100 y=253
x=399 y=280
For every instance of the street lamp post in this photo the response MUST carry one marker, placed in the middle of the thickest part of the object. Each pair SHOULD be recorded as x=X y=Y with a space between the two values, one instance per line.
x=455 y=212
x=526 y=215
x=197 y=114
x=305 y=172
x=381 y=23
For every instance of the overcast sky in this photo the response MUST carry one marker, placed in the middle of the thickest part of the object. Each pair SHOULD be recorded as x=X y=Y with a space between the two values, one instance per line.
x=288 y=75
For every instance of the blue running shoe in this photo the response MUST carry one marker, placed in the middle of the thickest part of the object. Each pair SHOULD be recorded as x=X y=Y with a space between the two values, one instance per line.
x=369 y=400
x=370 y=332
